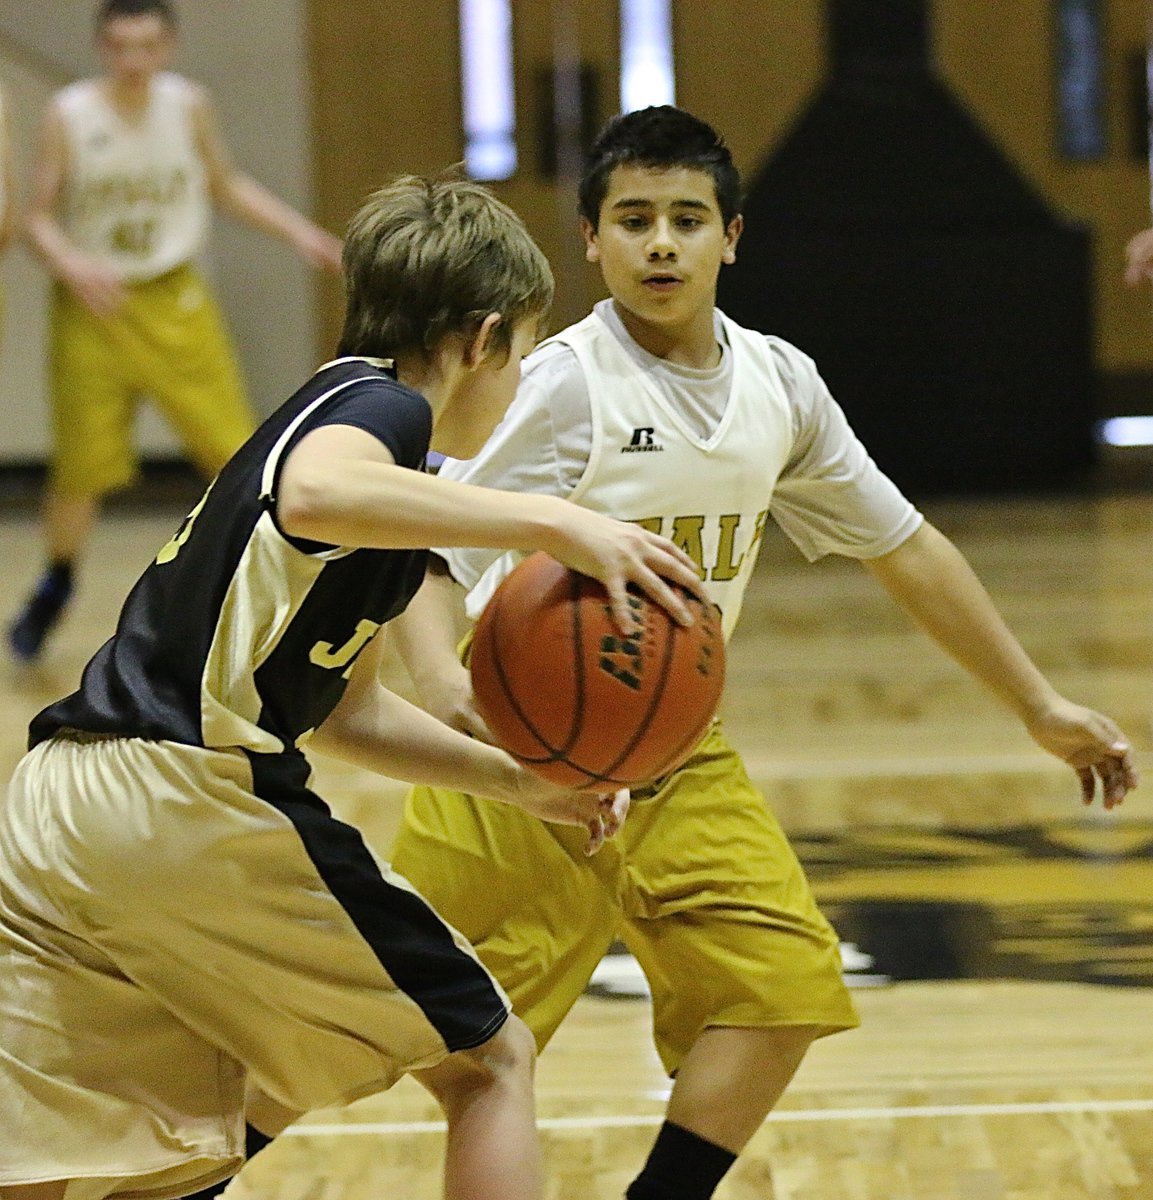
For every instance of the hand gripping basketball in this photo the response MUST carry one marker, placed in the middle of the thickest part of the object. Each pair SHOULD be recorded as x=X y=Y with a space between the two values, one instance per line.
x=577 y=701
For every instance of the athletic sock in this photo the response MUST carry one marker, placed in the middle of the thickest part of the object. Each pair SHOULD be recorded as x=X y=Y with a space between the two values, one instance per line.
x=42 y=611
x=60 y=572
x=254 y=1141
x=681 y=1166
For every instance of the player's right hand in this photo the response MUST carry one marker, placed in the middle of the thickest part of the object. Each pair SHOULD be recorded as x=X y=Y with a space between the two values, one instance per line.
x=98 y=287
x=619 y=553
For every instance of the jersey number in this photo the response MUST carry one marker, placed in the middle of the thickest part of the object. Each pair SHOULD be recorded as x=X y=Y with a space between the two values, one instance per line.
x=133 y=237
x=172 y=548
x=325 y=655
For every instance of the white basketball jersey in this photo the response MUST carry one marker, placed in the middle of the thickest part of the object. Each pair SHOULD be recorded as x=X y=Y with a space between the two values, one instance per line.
x=136 y=193
x=709 y=495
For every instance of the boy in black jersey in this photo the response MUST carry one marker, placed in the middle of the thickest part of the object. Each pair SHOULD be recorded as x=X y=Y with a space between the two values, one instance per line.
x=172 y=894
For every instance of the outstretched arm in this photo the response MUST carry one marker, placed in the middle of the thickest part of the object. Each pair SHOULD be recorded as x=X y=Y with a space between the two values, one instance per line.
x=930 y=578
x=243 y=197
x=340 y=486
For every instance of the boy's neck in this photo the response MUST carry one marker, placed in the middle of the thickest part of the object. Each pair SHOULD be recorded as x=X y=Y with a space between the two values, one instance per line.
x=426 y=376
x=128 y=97
x=693 y=344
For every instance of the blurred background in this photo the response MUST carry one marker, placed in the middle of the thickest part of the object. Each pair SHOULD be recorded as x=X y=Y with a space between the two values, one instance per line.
x=939 y=197
x=940 y=191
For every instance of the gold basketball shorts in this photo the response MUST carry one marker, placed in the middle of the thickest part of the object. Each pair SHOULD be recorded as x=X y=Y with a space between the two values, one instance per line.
x=166 y=936
x=700 y=883
x=168 y=344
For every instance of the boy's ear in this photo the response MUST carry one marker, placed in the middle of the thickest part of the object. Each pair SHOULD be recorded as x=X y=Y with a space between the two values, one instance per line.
x=478 y=347
x=592 y=247
x=732 y=236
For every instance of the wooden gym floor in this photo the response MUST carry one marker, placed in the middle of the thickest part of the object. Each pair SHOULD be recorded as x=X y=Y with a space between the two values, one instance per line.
x=999 y=932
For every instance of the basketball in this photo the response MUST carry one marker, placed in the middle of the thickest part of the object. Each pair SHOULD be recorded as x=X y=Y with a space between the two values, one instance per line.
x=580 y=703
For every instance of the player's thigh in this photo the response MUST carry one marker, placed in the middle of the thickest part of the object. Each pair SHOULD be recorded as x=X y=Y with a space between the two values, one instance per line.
x=93 y=403
x=519 y=889
x=722 y=918
x=187 y=363
x=264 y=923
x=89 y=1087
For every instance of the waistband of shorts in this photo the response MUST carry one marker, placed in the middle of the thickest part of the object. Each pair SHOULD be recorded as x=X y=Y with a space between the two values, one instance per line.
x=85 y=736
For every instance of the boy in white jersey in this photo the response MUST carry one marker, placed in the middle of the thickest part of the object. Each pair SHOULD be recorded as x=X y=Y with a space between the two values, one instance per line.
x=659 y=410
x=182 y=920
x=129 y=166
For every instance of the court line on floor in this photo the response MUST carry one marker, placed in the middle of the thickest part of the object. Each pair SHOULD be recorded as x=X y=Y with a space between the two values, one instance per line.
x=786 y=1116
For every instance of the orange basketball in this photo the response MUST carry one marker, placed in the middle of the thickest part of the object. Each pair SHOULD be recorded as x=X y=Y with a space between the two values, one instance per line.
x=577 y=701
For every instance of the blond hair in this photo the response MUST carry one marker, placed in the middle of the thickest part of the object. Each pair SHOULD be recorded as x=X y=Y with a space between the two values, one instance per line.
x=426 y=258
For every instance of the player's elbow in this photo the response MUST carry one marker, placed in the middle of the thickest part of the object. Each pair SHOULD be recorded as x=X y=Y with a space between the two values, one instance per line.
x=304 y=504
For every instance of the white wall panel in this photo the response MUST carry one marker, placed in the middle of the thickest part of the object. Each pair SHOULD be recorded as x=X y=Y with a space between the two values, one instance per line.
x=253 y=58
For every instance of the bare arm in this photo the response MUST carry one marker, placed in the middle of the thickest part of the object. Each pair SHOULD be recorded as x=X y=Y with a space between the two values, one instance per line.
x=425 y=637
x=241 y=196
x=340 y=486
x=930 y=578
x=374 y=728
x=94 y=284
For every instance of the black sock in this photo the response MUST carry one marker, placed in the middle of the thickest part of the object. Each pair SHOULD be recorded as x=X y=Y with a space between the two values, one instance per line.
x=254 y=1141
x=59 y=575
x=681 y=1166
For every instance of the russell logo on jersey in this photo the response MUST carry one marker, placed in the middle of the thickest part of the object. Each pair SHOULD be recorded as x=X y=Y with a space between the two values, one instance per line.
x=642 y=441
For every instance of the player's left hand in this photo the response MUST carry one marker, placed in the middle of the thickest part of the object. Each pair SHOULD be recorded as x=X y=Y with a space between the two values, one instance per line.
x=1092 y=745
x=608 y=820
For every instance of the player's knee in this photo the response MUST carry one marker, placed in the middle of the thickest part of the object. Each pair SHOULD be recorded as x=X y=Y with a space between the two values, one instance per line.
x=507 y=1059
x=509 y=1054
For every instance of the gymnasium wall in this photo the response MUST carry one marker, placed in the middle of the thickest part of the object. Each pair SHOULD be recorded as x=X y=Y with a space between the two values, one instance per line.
x=257 y=70
x=327 y=99
x=746 y=65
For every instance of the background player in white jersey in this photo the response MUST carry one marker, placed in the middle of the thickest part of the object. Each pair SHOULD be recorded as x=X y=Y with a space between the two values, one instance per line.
x=660 y=410
x=181 y=918
x=129 y=166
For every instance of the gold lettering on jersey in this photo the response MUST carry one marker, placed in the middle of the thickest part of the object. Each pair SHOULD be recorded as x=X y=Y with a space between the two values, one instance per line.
x=324 y=655
x=133 y=237
x=119 y=192
x=724 y=568
x=758 y=529
x=688 y=533
x=172 y=548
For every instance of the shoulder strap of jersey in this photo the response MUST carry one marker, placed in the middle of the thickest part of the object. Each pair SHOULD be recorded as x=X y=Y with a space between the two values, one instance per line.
x=272 y=462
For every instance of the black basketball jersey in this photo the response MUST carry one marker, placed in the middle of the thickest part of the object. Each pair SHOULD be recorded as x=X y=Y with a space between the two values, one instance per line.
x=238 y=635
